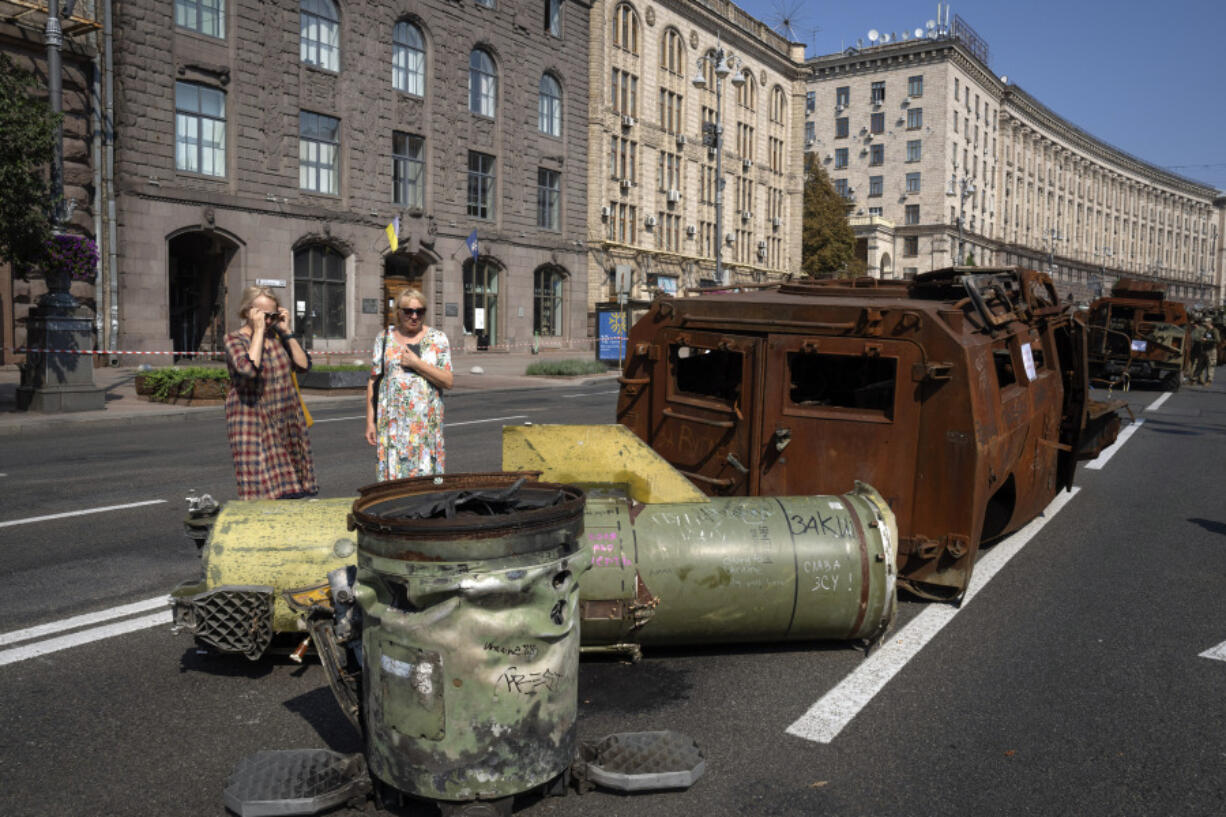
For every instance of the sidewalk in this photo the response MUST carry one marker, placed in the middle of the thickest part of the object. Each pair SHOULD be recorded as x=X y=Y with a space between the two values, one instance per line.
x=474 y=371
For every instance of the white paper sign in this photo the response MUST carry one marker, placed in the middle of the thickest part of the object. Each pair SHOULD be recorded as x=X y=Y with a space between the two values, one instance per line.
x=1139 y=345
x=1028 y=361
x=479 y=318
x=270 y=282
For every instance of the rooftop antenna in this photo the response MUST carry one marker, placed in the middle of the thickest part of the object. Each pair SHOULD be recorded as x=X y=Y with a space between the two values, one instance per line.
x=787 y=18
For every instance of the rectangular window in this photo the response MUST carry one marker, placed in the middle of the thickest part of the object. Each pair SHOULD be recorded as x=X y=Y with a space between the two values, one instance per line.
x=625 y=93
x=810 y=101
x=202 y=16
x=548 y=198
x=913 y=150
x=876 y=154
x=553 y=17
x=810 y=132
x=876 y=123
x=910 y=246
x=480 y=185
x=842 y=96
x=956 y=90
x=200 y=129
x=840 y=187
x=840 y=128
x=319 y=36
x=915 y=85
x=408 y=169
x=319 y=143
x=912 y=214
x=840 y=158
x=913 y=182
x=622 y=159
x=874 y=211
x=877 y=93
x=875 y=185
x=839 y=384
x=915 y=118
x=671 y=111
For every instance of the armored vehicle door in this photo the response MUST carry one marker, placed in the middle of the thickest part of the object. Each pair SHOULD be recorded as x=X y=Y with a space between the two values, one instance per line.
x=837 y=410
x=707 y=387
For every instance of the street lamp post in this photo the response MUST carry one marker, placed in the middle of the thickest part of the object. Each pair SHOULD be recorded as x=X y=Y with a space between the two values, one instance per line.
x=963 y=188
x=723 y=63
x=1104 y=253
x=1050 y=238
x=58 y=298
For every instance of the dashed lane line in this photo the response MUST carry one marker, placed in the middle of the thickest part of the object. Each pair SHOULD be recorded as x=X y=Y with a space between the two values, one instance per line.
x=84 y=620
x=1157 y=404
x=1102 y=459
x=838 y=707
x=64 y=642
x=83 y=512
x=1217 y=653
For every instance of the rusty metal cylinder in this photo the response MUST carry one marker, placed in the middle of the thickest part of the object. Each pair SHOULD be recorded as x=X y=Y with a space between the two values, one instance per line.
x=469 y=591
x=739 y=569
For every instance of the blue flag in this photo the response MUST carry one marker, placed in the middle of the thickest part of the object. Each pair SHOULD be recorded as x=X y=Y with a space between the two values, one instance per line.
x=471 y=241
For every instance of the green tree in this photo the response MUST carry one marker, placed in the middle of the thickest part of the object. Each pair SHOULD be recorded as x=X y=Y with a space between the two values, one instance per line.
x=827 y=244
x=27 y=131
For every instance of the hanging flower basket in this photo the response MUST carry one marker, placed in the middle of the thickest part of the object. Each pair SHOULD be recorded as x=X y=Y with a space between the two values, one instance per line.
x=69 y=258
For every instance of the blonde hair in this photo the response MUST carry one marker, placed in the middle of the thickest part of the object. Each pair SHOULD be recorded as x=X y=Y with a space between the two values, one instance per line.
x=249 y=296
x=413 y=294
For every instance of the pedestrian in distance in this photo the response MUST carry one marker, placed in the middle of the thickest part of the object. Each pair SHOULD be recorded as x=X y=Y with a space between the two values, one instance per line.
x=264 y=419
x=1204 y=350
x=410 y=369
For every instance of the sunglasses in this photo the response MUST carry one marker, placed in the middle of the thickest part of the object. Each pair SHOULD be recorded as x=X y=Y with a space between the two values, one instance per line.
x=411 y=312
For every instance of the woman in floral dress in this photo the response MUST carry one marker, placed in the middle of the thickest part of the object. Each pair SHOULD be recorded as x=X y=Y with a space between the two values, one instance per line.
x=268 y=436
x=404 y=396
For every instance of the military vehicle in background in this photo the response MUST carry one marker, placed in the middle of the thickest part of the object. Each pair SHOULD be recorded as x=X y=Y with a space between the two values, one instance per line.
x=963 y=396
x=1137 y=335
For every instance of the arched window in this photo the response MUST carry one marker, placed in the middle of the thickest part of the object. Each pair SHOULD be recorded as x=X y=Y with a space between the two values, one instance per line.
x=747 y=94
x=779 y=105
x=481 y=300
x=626 y=28
x=550 y=106
x=547 y=301
x=408 y=59
x=319 y=291
x=319 y=37
x=672 y=53
x=482 y=83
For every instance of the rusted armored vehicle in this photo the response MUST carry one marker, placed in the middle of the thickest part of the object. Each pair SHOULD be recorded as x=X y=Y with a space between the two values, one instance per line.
x=1136 y=334
x=962 y=395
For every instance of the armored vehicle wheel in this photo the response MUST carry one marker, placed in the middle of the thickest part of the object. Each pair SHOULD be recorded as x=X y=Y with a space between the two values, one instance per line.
x=1171 y=381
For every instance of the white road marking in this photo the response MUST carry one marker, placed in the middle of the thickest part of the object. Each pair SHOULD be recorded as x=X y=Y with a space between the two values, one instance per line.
x=828 y=717
x=1157 y=404
x=592 y=393
x=1217 y=653
x=83 y=620
x=1098 y=462
x=338 y=419
x=489 y=420
x=84 y=512
x=64 y=642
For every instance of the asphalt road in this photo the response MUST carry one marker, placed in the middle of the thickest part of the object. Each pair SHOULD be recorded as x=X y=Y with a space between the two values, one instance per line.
x=1071 y=683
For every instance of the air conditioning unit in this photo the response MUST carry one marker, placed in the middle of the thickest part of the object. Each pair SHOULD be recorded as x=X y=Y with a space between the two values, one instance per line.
x=776 y=222
x=877 y=103
x=761 y=252
x=691 y=231
x=605 y=212
x=628 y=121
x=748 y=163
x=681 y=140
x=761 y=245
x=674 y=195
x=839 y=108
x=626 y=184
x=809 y=143
x=650 y=222
x=870 y=136
x=746 y=215
x=730 y=238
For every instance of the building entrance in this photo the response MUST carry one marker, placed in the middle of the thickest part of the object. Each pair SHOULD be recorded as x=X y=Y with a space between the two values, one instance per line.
x=197 y=275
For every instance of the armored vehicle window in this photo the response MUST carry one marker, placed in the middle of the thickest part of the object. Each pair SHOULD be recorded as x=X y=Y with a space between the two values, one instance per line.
x=843 y=381
x=1005 y=376
x=707 y=372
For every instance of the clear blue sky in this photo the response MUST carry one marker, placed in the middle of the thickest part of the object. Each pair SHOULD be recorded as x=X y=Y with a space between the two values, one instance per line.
x=1148 y=78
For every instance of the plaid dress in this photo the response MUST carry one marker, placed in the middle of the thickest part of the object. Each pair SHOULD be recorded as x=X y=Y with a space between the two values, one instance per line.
x=268 y=436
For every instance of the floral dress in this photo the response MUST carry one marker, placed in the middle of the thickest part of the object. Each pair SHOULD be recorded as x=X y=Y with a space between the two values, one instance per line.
x=409 y=421
x=268 y=436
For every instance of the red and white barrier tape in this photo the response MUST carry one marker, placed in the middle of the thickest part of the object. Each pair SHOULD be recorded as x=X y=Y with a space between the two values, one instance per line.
x=584 y=343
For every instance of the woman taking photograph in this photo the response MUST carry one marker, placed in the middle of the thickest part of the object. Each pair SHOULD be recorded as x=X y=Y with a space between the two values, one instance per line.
x=268 y=436
x=404 y=396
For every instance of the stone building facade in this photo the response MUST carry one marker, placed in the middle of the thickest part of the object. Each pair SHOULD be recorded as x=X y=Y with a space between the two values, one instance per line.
x=22 y=41
x=942 y=160
x=651 y=180
x=274 y=142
